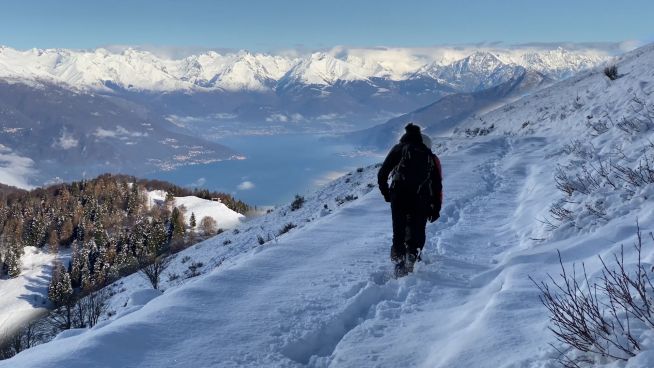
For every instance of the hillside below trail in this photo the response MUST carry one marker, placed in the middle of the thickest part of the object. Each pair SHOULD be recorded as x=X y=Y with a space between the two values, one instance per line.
x=324 y=296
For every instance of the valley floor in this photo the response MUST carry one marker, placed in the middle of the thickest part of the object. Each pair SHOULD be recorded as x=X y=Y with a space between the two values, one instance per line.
x=323 y=295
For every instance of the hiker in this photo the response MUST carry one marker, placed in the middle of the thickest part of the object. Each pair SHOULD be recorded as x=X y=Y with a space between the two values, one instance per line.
x=415 y=195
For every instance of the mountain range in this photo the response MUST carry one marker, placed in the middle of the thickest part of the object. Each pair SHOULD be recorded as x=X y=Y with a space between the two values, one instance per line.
x=134 y=69
x=354 y=86
x=73 y=112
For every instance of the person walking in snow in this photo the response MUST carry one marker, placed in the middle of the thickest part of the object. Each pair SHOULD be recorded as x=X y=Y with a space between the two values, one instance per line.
x=415 y=195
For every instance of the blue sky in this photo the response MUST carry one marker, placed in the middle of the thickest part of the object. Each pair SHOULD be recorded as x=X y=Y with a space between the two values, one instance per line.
x=284 y=24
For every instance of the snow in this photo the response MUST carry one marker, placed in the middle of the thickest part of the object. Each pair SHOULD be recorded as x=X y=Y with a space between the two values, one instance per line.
x=142 y=297
x=137 y=69
x=224 y=216
x=25 y=296
x=322 y=293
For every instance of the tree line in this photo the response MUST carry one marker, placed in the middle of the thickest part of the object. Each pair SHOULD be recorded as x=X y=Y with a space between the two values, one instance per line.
x=106 y=222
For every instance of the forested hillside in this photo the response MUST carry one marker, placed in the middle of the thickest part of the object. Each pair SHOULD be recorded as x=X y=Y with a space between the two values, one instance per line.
x=107 y=219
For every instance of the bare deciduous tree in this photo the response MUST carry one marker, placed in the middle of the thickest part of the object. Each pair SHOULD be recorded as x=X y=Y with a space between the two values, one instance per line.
x=208 y=225
x=598 y=317
x=152 y=267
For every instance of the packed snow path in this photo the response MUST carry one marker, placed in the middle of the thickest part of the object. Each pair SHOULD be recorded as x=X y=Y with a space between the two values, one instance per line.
x=323 y=296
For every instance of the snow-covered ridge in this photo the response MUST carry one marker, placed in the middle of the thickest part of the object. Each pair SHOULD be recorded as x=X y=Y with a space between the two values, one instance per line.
x=243 y=70
x=225 y=217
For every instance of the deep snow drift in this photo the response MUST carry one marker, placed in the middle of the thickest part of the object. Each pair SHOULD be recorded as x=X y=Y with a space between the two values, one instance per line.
x=321 y=293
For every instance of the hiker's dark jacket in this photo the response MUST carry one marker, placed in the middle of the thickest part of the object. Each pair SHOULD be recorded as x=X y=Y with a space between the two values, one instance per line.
x=410 y=200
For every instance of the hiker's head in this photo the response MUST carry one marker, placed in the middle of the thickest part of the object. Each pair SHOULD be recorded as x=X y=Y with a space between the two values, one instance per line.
x=412 y=134
x=412 y=129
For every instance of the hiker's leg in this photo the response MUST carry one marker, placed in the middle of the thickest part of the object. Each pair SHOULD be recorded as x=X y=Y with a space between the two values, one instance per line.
x=416 y=223
x=399 y=216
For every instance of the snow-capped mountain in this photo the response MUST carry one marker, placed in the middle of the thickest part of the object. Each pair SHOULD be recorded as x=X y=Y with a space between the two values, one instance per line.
x=558 y=63
x=143 y=70
x=478 y=71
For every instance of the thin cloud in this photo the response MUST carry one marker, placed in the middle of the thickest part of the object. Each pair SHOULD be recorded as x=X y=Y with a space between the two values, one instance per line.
x=65 y=141
x=119 y=132
x=199 y=183
x=246 y=185
x=15 y=170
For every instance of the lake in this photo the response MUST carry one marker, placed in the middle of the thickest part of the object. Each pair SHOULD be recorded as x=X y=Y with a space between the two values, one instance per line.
x=275 y=169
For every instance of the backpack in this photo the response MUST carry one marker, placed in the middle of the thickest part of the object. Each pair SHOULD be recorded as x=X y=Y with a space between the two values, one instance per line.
x=413 y=174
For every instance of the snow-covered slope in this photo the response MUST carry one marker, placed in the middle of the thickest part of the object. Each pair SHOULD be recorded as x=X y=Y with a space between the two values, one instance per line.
x=320 y=294
x=225 y=217
x=25 y=296
x=574 y=104
x=142 y=70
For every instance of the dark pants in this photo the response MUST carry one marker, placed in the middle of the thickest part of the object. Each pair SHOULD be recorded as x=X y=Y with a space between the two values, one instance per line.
x=408 y=229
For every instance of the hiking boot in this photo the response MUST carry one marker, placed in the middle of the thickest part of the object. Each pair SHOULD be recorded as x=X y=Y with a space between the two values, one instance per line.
x=400 y=269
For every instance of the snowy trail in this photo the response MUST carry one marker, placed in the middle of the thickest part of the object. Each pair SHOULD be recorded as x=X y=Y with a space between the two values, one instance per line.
x=324 y=297
x=482 y=192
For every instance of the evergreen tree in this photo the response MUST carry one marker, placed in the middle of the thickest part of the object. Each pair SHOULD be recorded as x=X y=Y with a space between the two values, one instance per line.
x=86 y=275
x=12 y=259
x=76 y=264
x=4 y=249
x=170 y=199
x=101 y=267
x=192 y=220
x=61 y=294
x=177 y=223
x=157 y=240
x=80 y=231
x=133 y=200
x=60 y=290
x=53 y=241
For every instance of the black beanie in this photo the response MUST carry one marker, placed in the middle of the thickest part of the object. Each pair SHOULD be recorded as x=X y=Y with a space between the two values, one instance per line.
x=412 y=129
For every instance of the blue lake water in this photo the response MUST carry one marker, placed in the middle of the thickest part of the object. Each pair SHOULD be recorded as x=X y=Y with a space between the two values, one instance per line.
x=276 y=168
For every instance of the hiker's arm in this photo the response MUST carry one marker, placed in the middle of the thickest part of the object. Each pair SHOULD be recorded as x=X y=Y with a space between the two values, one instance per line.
x=437 y=185
x=390 y=162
